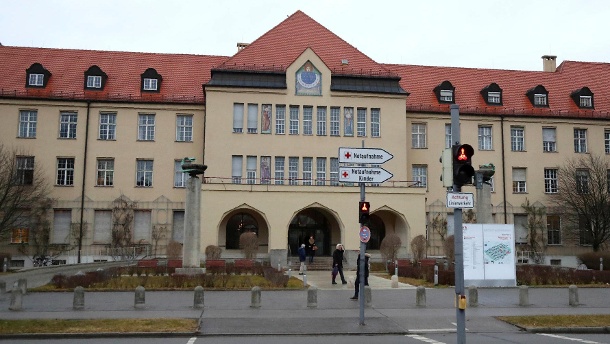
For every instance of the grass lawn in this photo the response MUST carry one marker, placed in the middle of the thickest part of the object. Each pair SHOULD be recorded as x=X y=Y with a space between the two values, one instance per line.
x=538 y=321
x=99 y=326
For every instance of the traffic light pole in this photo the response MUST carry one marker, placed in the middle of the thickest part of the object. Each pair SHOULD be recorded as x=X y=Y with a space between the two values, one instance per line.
x=458 y=238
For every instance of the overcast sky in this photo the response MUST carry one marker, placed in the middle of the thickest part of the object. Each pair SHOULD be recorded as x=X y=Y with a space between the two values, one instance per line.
x=508 y=34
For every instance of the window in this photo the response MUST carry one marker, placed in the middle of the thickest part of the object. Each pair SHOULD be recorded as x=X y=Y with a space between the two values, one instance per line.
x=420 y=176
x=25 y=170
x=67 y=125
x=540 y=99
x=446 y=95
x=335 y=114
x=418 y=135
x=279 y=170
x=252 y=118
x=485 y=138
x=20 y=236
x=105 y=172
x=102 y=226
x=549 y=139
x=517 y=139
x=586 y=102
x=321 y=121
x=555 y=262
x=265 y=165
x=179 y=176
x=448 y=137
x=62 y=221
x=445 y=92
x=178 y=226
x=236 y=165
x=37 y=76
x=307 y=120
x=553 y=230
x=580 y=140
x=184 y=128
x=492 y=94
x=519 y=185
x=293 y=170
x=586 y=233
x=294 y=120
x=107 y=130
x=320 y=171
x=144 y=173
x=493 y=97
x=375 y=123
x=307 y=170
x=94 y=81
x=521 y=232
x=65 y=171
x=238 y=118
x=150 y=84
x=280 y=119
x=334 y=171
x=361 y=122
x=36 y=80
x=146 y=127
x=582 y=181
x=583 y=97
x=27 y=123
x=142 y=227
x=251 y=169
x=607 y=141
x=550 y=180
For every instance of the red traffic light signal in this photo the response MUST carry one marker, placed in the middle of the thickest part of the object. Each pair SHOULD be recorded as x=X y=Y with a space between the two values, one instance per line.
x=364 y=212
x=463 y=172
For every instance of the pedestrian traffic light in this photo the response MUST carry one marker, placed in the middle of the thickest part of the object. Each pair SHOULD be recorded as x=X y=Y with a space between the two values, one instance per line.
x=462 y=164
x=447 y=175
x=364 y=211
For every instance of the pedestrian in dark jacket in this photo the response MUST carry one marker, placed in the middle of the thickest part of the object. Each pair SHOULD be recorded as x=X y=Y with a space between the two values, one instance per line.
x=366 y=275
x=311 y=248
x=338 y=264
x=302 y=258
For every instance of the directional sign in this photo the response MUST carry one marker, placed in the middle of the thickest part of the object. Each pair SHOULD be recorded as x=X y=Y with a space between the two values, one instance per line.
x=363 y=175
x=364 y=155
x=460 y=200
x=365 y=234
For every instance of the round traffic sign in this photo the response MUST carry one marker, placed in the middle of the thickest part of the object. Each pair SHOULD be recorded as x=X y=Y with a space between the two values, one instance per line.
x=365 y=234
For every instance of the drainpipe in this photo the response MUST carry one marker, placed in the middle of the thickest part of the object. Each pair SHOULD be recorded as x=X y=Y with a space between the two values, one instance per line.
x=205 y=127
x=82 y=194
x=503 y=168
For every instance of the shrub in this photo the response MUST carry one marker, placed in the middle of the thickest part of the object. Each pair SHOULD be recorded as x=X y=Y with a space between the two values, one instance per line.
x=248 y=242
x=174 y=250
x=591 y=259
x=418 y=247
x=212 y=252
x=449 y=246
x=390 y=246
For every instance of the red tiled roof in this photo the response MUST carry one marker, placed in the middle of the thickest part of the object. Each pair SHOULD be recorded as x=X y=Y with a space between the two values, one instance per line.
x=283 y=44
x=183 y=75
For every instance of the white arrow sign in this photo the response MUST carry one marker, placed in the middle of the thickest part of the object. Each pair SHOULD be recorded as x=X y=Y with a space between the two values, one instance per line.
x=364 y=155
x=363 y=175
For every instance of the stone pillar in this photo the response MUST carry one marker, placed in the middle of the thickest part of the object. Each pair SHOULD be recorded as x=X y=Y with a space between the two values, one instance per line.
x=16 y=298
x=140 y=297
x=79 y=298
x=192 y=224
x=368 y=296
x=473 y=296
x=420 y=297
x=198 y=301
x=23 y=285
x=524 y=298
x=256 y=297
x=573 y=297
x=394 y=280
x=312 y=297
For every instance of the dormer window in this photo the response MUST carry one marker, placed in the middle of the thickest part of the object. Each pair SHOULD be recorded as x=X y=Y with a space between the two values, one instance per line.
x=445 y=92
x=151 y=80
x=37 y=76
x=95 y=78
x=583 y=98
x=492 y=94
x=538 y=96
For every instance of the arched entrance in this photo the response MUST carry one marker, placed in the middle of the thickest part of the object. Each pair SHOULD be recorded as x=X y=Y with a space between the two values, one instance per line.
x=377 y=227
x=305 y=224
x=237 y=225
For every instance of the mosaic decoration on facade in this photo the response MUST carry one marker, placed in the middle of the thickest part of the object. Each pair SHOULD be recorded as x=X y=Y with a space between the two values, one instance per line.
x=308 y=81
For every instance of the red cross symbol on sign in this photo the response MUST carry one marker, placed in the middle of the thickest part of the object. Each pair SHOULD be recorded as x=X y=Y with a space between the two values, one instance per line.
x=345 y=174
x=347 y=155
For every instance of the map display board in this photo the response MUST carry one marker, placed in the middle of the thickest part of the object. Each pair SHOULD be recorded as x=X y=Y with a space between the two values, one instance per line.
x=489 y=255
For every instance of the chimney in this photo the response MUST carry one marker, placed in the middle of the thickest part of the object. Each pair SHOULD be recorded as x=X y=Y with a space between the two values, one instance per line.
x=240 y=46
x=549 y=63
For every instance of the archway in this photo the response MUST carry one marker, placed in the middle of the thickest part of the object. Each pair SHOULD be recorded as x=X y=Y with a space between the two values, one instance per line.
x=237 y=225
x=310 y=222
x=377 y=227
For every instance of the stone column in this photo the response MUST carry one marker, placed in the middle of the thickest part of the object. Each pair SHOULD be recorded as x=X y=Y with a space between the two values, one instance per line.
x=192 y=224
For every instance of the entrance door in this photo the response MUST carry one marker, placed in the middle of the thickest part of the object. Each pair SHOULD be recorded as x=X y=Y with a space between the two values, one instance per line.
x=307 y=223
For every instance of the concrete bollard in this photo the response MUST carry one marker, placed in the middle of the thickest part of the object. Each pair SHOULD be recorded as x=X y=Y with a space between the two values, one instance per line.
x=305 y=279
x=5 y=265
x=420 y=297
x=473 y=296
x=256 y=297
x=394 y=281
x=2 y=287
x=573 y=295
x=368 y=296
x=23 y=285
x=140 y=297
x=16 y=298
x=524 y=297
x=198 y=299
x=78 y=302
x=312 y=297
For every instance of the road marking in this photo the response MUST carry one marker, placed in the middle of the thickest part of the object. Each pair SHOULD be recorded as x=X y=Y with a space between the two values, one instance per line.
x=432 y=330
x=568 y=338
x=455 y=324
x=424 y=339
x=192 y=340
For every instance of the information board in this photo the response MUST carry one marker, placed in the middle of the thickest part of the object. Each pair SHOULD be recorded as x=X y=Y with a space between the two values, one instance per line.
x=489 y=255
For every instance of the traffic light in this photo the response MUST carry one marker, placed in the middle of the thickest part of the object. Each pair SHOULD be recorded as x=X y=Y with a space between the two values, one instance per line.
x=364 y=211
x=462 y=164
x=447 y=175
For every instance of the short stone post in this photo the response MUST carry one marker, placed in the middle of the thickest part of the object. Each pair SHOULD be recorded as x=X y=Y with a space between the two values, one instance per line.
x=198 y=299
x=5 y=265
x=368 y=296
x=140 y=298
x=394 y=280
x=524 y=297
x=256 y=297
x=2 y=287
x=312 y=297
x=420 y=297
x=573 y=291
x=23 y=285
x=16 y=298
x=473 y=296
x=79 y=298
x=305 y=279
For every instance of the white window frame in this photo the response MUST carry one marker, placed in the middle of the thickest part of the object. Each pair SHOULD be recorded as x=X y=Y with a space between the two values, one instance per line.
x=27 y=123
x=280 y=119
x=580 y=140
x=320 y=171
x=105 y=172
x=94 y=81
x=146 y=127
x=607 y=141
x=307 y=120
x=67 y=125
x=25 y=170
x=335 y=121
x=184 y=128
x=446 y=95
x=334 y=171
x=107 y=129
x=307 y=170
x=179 y=176
x=36 y=79
x=553 y=234
x=375 y=122
x=420 y=175
x=517 y=139
x=321 y=121
x=238 y=118
x=540 y=99
x=550 y=180
x=549 y=140
x=144 y=172
x=485 y=137
x=586 y=101
x=519 y=180
x=293 y=170
x=418 y=135
x=150 y=84
x=361 y=122
x=279 y=165
x=493 y=97
x=65 y=172
x=294 y=120
x=252 y=120
x=251 y=164
x=236 y=168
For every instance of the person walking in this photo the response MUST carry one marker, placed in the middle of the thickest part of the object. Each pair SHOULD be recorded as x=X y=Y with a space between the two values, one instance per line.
x=338 y=264
x=366 y=275
x=302 y=258
x=311 y=248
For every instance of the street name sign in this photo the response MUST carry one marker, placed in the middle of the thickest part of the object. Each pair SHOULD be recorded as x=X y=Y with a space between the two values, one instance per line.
x=374 y=156
x=363 y=175
x=460 y=200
